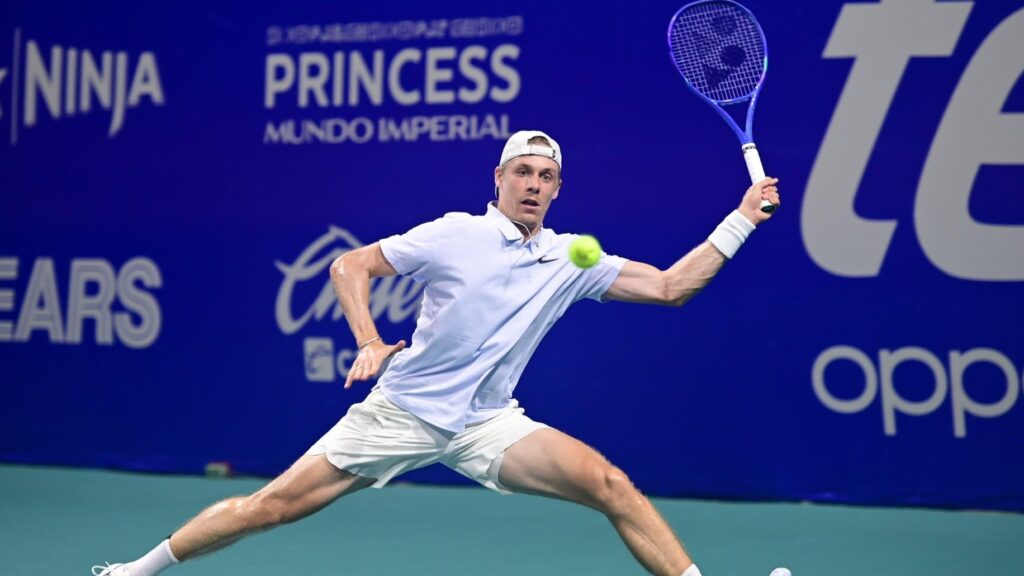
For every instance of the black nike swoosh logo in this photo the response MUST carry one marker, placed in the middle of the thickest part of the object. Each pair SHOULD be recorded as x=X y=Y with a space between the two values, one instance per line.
x=543 y=261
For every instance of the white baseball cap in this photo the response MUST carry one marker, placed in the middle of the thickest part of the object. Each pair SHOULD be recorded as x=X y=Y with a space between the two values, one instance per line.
x=518 y=145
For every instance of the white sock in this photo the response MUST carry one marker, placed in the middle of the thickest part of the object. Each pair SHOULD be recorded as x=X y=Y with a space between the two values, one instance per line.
x=692 y=571
x=158 y=560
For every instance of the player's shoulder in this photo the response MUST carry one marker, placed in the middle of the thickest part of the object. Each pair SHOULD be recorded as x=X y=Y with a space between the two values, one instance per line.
x=456 y=216
x=559 y=238
x=464 y=226
x=459 y=220
x=448 y=220
x=466 y=221
x=452 y=225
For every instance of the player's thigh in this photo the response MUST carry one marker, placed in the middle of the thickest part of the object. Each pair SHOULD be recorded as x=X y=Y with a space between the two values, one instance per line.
x=551 y=463
x=307 y=486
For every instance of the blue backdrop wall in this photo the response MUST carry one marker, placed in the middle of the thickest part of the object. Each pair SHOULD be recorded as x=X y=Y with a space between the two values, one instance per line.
x=176 y=180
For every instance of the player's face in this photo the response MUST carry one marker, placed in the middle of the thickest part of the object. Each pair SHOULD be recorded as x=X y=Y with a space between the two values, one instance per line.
x=527 y=185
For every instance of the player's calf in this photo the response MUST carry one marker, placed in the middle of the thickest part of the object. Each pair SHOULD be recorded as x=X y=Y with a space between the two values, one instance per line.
x=263 y=511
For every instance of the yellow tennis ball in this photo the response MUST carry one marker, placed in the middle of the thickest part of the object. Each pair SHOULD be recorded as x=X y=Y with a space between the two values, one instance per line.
x=585 y=251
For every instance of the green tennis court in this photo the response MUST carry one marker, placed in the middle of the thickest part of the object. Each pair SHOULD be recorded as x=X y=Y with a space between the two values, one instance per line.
x=62 y=521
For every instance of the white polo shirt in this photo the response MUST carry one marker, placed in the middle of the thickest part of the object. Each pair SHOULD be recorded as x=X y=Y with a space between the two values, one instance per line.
x=489 y=299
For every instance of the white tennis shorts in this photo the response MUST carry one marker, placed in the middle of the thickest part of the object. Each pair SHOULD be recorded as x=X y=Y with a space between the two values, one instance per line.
x=377 y=439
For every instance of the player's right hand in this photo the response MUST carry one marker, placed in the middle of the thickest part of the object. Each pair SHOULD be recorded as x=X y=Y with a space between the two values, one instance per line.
x=750 y=206
x=370 y=359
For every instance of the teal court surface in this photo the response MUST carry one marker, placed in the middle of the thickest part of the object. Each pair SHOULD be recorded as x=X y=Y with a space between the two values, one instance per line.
x=59 y=522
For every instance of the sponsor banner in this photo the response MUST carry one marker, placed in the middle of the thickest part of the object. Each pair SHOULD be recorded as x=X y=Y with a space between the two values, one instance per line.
x=177 y=182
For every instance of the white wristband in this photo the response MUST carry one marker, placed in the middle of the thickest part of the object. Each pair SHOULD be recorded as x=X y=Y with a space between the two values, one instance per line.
x=730 y=234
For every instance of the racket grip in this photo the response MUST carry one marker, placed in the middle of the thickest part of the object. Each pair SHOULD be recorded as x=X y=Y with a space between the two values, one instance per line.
x=756 y=171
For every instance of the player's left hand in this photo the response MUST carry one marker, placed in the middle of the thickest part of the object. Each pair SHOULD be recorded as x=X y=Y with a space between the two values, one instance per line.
x=370 y=359
x=750 y=207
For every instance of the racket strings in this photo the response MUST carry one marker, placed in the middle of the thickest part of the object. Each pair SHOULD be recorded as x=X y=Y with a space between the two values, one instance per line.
x=719 y=49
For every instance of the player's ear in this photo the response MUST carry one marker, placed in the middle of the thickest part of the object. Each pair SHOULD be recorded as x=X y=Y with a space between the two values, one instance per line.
x=557 y=190
x=497 y=180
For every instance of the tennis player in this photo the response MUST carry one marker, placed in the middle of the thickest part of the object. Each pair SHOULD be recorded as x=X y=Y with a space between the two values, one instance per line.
x=495 y=284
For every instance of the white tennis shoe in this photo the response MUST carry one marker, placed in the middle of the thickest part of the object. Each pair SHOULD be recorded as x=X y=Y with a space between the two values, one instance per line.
x=111 y=570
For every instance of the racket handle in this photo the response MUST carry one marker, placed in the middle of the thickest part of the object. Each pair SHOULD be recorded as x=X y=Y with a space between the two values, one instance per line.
x=756 y=171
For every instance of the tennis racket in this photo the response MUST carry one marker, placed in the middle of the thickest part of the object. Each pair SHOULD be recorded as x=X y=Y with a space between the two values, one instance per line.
x=719 y=48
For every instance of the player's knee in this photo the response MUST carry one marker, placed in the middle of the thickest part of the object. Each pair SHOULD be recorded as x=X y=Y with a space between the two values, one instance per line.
x=614 y=491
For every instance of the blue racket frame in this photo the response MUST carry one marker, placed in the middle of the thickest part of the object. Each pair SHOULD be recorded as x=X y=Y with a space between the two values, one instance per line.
x=745 y=136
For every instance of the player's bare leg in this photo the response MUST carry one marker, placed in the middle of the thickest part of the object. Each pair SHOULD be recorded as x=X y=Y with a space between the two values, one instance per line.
x=551 y=463
x=310 y=484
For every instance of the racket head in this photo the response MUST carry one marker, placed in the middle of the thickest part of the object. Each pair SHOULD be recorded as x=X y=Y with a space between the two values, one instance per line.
x=719 y=49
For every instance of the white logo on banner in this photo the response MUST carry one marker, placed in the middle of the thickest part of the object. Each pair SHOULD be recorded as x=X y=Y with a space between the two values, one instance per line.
x=946 y=381
x=64 y=81
x=464 y=72
x=396 y=298
x=882 y=38
x=93 y=288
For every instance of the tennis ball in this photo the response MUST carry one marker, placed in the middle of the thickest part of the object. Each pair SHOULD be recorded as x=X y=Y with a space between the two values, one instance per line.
x=781 y=572
x=585 y=251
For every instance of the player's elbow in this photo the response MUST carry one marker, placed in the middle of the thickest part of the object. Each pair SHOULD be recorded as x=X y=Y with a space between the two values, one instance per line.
x=346 y=265
x=672 y=293
x=675 y=302
x=682 y=297
x=668 y=295
x=338 y=267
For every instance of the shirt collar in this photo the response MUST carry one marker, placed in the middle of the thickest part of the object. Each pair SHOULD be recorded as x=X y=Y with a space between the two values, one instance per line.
x=508 y=229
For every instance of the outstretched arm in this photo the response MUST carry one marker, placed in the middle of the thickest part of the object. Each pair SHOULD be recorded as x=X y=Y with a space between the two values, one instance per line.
x=643 y=283
x=350 y=275
x=639 y=282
